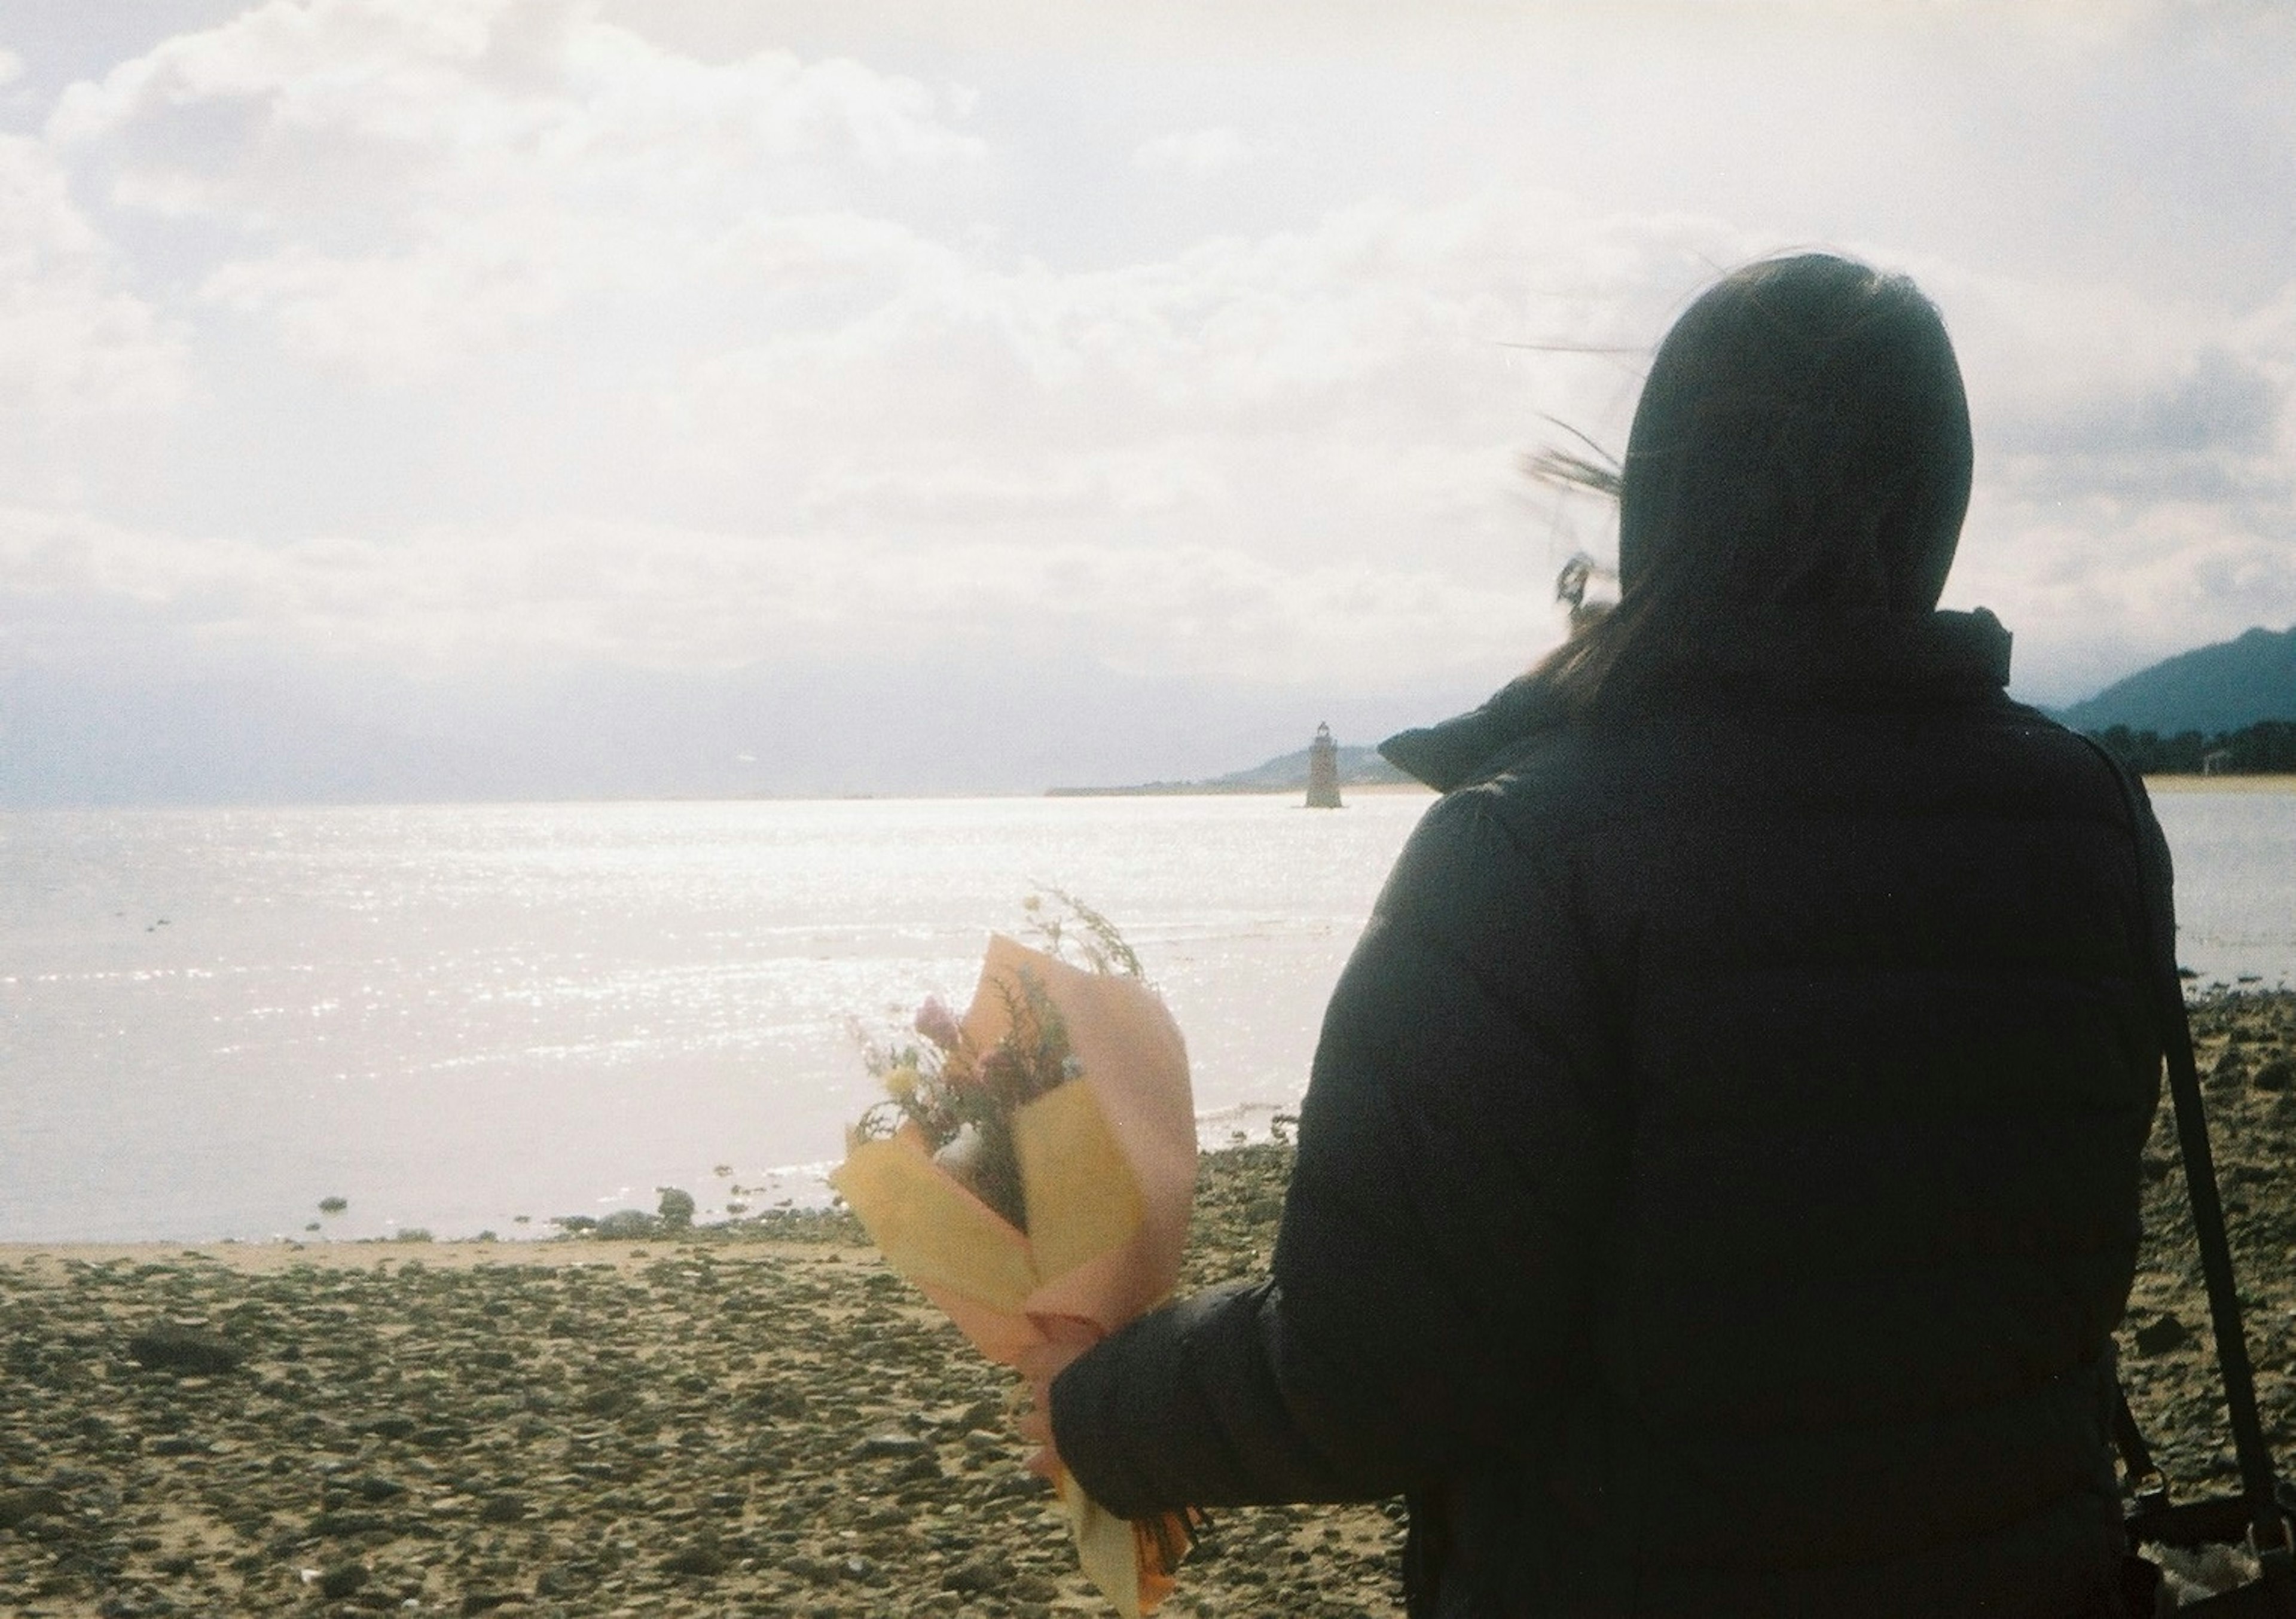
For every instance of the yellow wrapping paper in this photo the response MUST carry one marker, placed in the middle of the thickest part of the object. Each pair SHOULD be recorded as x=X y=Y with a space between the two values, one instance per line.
x=1108 y=1169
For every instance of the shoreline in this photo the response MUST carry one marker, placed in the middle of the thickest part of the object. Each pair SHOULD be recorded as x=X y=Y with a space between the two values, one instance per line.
x=1208 y=790
x=762 y=1422
x=2220 y=784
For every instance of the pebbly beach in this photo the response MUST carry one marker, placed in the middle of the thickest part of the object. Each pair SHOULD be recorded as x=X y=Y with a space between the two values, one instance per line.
x=758 y=1418
x=754 y=1419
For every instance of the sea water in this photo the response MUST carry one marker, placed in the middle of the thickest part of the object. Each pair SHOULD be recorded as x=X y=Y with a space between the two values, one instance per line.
x=454 y=1016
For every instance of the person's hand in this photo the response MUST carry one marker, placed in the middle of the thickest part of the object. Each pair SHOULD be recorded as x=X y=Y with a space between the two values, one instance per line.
x=1065 y=1339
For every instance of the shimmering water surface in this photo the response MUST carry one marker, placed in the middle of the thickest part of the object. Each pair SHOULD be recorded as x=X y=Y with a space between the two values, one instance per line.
x=209 y=1019
x=451 y=1016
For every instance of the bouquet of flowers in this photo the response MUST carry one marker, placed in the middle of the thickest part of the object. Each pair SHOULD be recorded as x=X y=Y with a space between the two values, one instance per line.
x=1030 y=1171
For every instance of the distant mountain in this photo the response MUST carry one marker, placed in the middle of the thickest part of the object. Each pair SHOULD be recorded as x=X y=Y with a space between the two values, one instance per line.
x=2212 y=689
x=1358 y=767
x=274 y=731
x=1285 y=774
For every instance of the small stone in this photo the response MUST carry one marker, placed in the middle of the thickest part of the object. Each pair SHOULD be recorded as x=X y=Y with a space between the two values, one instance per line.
x=978 y=1575
x=894 y=1444
x=704 y=1560
x=171 y=1346
x=342 y=1525
x=21 y=1506
x=2161 y=1336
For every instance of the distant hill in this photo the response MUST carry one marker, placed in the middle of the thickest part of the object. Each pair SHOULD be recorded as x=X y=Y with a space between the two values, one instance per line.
x=2212 y=688
x=1286 y=773
x=1358 y=767
x=270 y=727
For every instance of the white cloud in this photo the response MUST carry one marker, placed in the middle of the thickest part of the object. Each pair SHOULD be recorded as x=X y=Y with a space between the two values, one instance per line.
x=2134 y=495
x=419 y=183
x=711 y=353
x=2096 y=587
x=1381 y=330
x=566 y=592
x=82 y=357
x=1196 y=154
x=72 y=342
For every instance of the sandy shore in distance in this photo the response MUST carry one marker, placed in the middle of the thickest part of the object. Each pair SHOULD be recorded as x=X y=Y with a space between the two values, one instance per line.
x=2220 y=784
x=758 y=1421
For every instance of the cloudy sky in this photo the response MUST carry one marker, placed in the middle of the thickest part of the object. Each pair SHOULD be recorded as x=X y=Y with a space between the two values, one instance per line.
x=456 y=344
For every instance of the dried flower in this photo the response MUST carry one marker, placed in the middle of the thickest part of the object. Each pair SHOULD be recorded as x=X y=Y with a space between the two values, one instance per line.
x=961 y=1101
x=939 y=1024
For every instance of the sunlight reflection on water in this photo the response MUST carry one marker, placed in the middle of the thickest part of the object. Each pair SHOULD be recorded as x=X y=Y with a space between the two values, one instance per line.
x=209 y=1019
x=454 y=1015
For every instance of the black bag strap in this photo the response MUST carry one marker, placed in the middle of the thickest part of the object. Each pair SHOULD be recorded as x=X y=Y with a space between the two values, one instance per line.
x=2267 y=1520
x=2257 y=1484
x=2145 y=1481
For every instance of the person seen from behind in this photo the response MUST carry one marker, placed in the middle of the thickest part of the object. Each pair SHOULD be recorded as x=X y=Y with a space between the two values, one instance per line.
x=1718 y=1183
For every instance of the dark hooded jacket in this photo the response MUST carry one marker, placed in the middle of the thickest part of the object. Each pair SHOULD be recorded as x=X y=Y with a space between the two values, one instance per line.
x=1717 y=1184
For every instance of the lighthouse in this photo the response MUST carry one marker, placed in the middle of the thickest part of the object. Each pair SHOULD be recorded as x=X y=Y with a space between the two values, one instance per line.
x=1322 y=771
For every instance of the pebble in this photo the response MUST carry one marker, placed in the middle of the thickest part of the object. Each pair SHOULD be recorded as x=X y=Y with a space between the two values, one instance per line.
x=2160 y=1336
x=894 y=1444
x=175 y=1347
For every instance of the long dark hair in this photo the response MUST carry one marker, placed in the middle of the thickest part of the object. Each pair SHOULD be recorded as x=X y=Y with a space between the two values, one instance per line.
x=1800 y=452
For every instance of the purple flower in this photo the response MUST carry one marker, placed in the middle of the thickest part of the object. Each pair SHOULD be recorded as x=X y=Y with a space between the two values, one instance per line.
x=937 y=1024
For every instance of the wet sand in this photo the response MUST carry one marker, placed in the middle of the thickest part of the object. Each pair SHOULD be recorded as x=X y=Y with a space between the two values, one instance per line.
x=756 y=1421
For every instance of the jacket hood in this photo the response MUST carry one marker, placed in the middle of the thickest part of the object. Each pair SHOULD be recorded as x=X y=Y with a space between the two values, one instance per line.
x=1938 y=658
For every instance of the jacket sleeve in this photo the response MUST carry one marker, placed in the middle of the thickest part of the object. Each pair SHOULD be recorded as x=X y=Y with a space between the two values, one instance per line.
x=1459 y=1148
